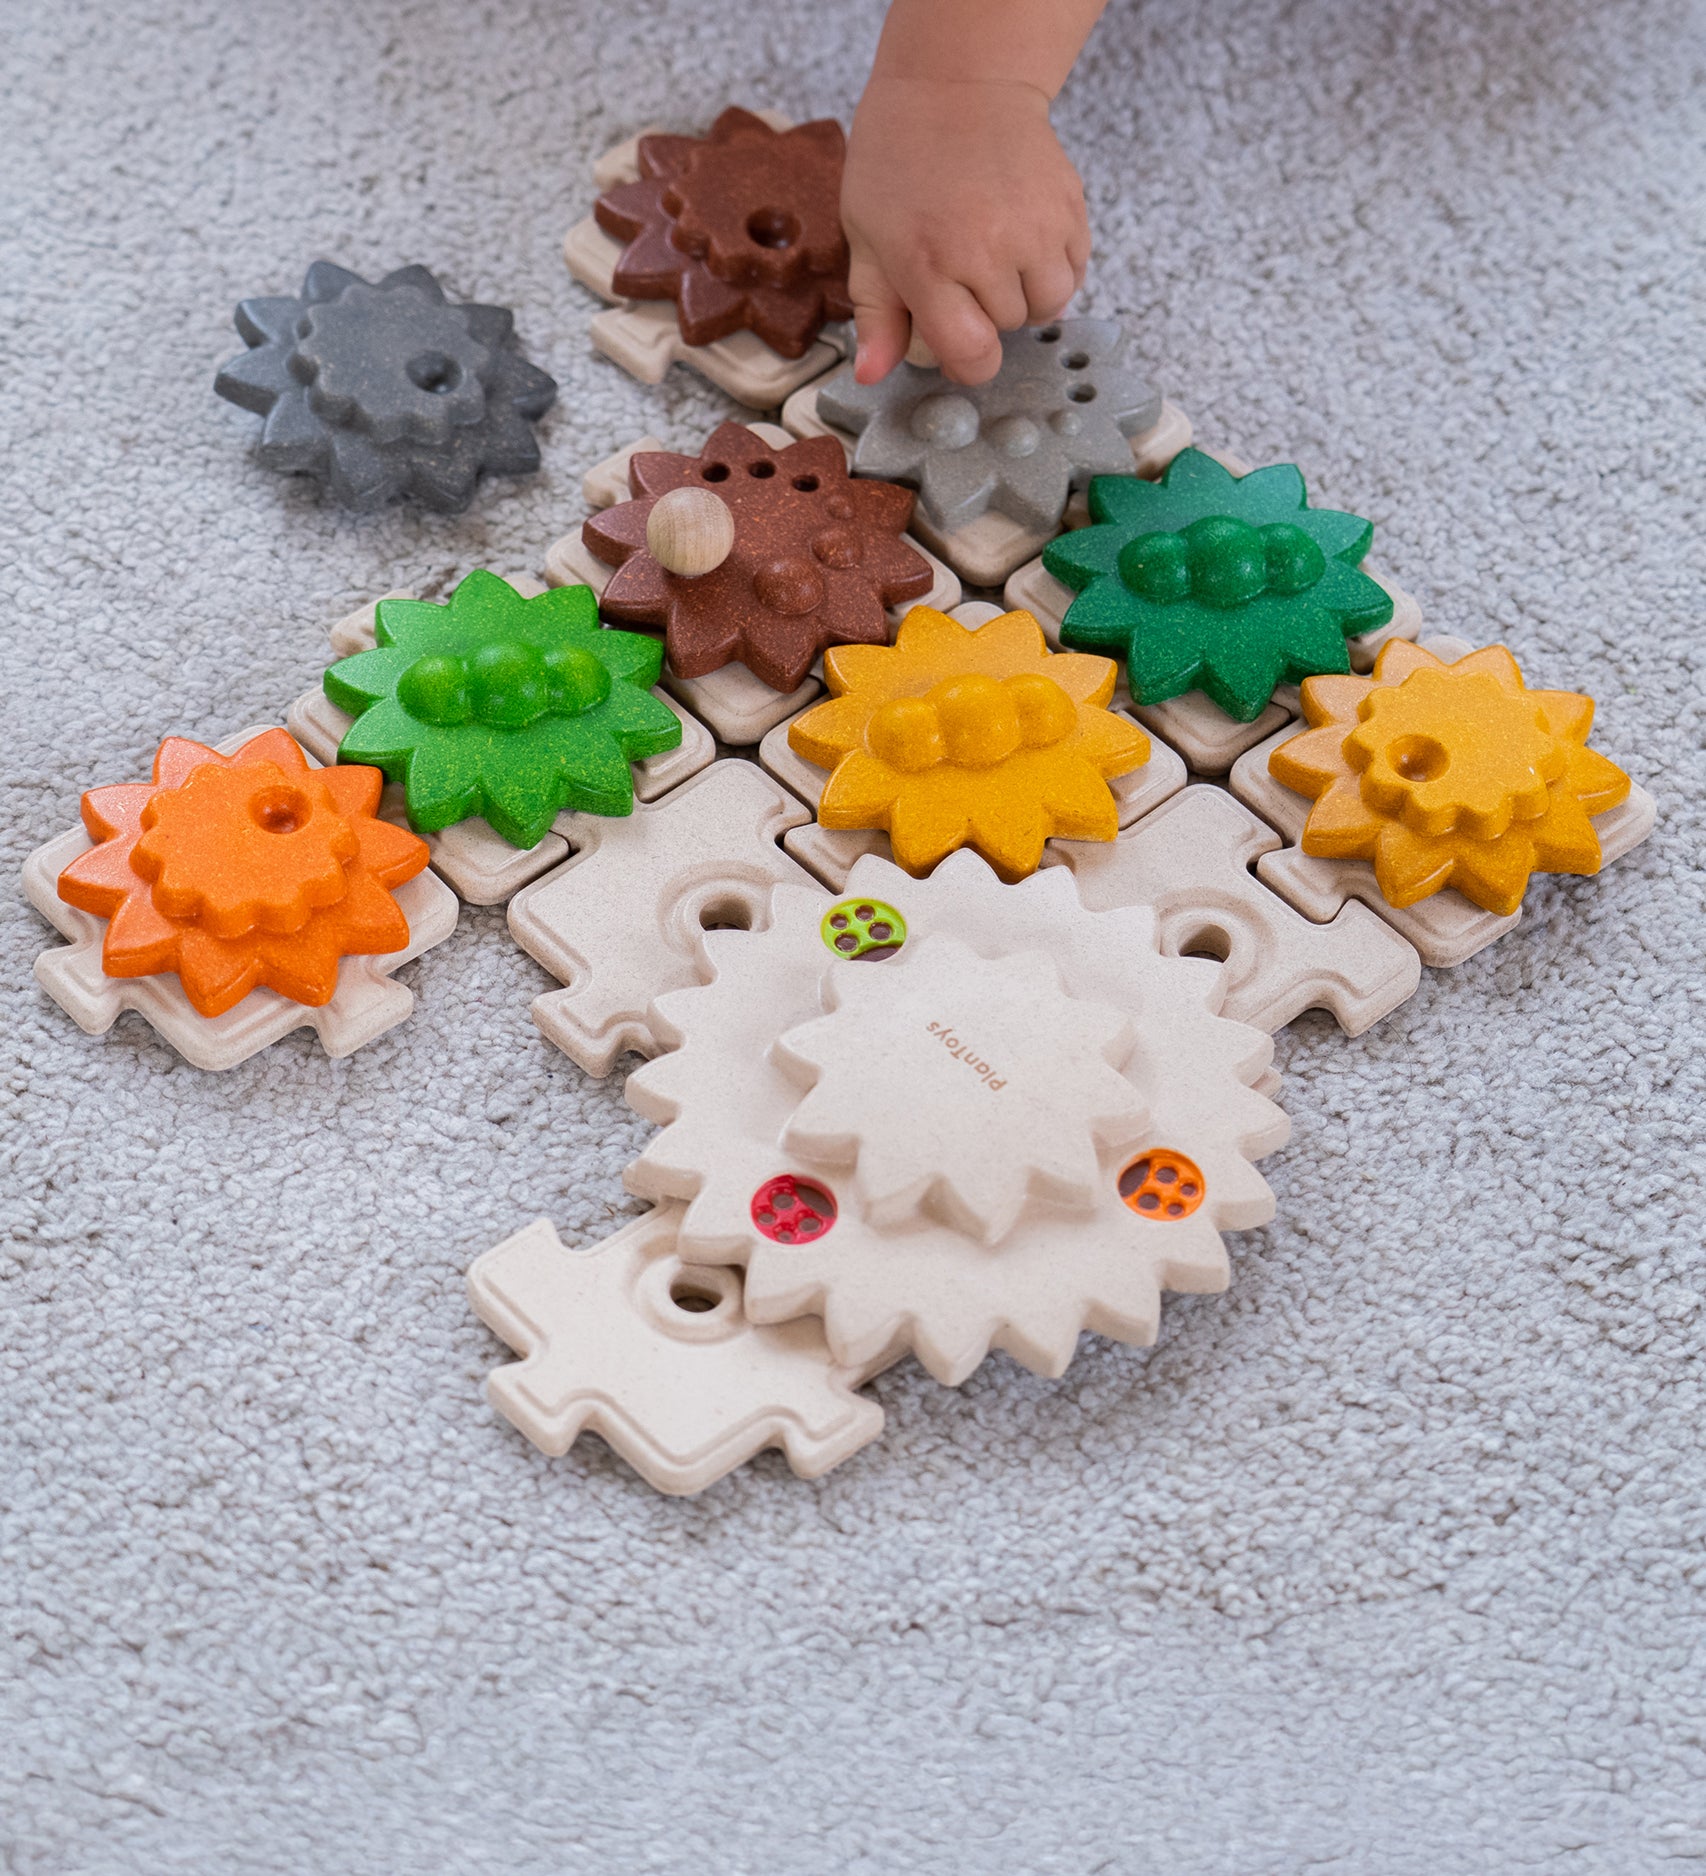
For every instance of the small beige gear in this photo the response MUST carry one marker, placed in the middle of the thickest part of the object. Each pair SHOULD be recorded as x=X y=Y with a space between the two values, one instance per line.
x=938 y=1224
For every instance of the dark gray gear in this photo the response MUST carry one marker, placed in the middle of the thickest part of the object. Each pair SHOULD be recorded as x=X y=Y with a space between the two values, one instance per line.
x=387 y=392
x=1059 y=411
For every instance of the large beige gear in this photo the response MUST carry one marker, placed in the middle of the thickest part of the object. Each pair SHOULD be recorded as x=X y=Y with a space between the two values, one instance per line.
x=951 y=1234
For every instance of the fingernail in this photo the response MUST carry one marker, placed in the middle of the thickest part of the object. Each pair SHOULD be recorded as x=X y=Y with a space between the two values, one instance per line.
x=861 y=359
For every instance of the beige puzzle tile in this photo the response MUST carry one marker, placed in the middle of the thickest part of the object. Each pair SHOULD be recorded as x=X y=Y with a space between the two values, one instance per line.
x=619 y=923
x=987 y=550
x=367 y=1002
x=644 y=336
x=1189 y=862
x=478 y=862
x=1445 y=928
x=1023 y=1123
x=738 y=707
x=625 y=1341
x=830 y=853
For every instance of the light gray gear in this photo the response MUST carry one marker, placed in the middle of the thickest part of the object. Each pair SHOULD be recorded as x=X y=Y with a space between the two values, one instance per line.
x=1060 y=410
x=387 y=392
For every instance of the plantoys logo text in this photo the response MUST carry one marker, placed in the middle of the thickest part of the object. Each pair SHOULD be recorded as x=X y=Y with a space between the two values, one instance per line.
x=960 y=1053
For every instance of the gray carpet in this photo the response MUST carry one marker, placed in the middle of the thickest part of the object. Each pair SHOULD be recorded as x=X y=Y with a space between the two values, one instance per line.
x=1389 y=1561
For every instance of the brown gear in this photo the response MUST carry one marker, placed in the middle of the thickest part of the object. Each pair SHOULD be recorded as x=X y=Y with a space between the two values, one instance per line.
x=742 y=229
x=817 y=557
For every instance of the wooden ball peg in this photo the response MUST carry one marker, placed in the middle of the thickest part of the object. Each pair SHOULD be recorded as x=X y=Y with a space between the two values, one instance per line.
x=690 y=532
x=919 y=354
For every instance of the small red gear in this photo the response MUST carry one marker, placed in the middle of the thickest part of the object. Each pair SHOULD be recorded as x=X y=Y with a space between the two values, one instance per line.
x=787 y=1210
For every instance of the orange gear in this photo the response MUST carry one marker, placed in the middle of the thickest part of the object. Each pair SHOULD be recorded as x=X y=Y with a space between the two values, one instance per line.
x=243 y=870
x=1163 y=1185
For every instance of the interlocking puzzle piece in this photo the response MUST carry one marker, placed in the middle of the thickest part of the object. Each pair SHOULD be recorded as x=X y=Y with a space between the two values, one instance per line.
x=620 y=922
x=625 y=1341
x=965 y=1119
x=645 y=337
x=1446 y=928
x=830 y=853
x=969 y=736
x=483 y=867
x=1208 y=739
x=389 y=391
x=737 y=706
x=741 y=228
x=815 y=558
x=1189 y=862
x=210 y=904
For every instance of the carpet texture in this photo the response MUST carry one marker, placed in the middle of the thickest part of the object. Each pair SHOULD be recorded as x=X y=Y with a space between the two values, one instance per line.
x=1388 y=1561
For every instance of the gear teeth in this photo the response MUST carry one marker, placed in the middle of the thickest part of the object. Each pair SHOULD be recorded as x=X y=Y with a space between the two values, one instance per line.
x=728 y=1105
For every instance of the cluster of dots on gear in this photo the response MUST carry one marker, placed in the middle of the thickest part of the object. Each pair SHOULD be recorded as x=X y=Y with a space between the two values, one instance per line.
x=787 y=1210
x=1162 y=1185
x=973 y=722
x=1222 y=561
x=504 y=685
x=859 y=928
x=1060 y=410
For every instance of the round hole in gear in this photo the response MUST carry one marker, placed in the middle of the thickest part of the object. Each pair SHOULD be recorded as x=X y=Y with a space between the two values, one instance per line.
x=433 y=372
x=772 y=228
x=280 y=810
x=1420 y=758
x=788 y=1210
x=1050 y=335
x=1162 y=1185
x=715 y=472
x=725 y=912
x=693 y=1299
x=860 y=928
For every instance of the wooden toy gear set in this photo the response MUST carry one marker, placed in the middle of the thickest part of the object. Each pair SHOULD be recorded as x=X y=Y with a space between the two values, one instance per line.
x=956 y=988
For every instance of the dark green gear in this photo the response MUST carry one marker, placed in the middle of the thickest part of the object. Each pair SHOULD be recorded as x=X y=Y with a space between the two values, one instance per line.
x=1215 y=582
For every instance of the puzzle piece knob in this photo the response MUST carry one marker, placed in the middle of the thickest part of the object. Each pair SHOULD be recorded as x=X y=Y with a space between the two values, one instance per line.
x=690 y=532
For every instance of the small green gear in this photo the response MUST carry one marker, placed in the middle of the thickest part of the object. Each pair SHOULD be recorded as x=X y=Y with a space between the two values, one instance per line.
x=855 y=928
x=511 y=708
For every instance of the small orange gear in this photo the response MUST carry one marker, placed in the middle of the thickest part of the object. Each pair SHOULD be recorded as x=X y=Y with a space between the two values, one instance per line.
x=1163 y=1185
x=243 y=870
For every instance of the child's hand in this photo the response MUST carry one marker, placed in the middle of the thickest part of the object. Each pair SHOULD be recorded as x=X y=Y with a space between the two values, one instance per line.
x=964 y=217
